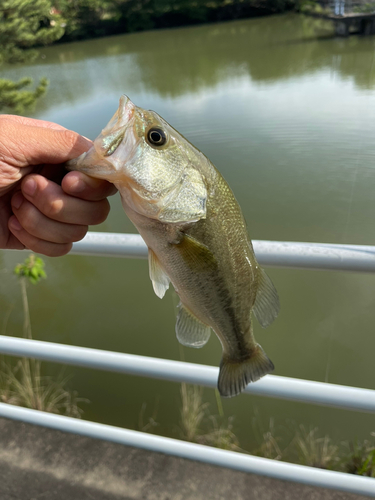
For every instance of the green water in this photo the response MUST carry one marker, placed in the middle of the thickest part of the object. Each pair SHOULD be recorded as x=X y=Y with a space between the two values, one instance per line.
x=286 y=112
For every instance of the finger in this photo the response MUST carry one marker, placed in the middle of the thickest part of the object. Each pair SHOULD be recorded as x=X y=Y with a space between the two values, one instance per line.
x=24 y=120
x=31 y=145
x=34 y=122
x=42 y=227
x=50 y=199
x=35 y=244
x=87 y=188
x=13 y=243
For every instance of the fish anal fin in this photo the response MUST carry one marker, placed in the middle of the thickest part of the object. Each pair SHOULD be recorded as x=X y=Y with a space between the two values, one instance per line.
x=190 y=331
x=235 y=375
x=160 y=280
x=267 y=305
x=197 y=256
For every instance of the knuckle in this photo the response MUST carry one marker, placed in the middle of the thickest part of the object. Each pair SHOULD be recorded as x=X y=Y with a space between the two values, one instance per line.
x=69 y=138
x=49 y=202
x=28 y=219
x=53 y=207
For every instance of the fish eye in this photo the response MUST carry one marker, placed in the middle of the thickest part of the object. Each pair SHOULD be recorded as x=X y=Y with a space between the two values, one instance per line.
x=156 y=137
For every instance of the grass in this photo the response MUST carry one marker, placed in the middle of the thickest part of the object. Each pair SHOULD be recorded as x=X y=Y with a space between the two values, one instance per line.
x=314 y=451
x=198 y=425
x=23 y=384
x=360 y=459
x=269 y=447
x=308 y=448
x=192 y=412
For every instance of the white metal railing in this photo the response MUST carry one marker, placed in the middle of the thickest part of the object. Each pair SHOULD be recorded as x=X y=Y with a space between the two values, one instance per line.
x=359 y=258
x=342 y=7
x=306 y=391
x=289 y=254
x=285 y=254
x=206 y=454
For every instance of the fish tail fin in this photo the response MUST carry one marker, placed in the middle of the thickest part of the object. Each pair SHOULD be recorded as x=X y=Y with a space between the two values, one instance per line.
x=235 y=375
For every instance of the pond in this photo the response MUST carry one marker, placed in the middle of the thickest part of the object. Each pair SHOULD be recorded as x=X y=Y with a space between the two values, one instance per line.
x=286 y=112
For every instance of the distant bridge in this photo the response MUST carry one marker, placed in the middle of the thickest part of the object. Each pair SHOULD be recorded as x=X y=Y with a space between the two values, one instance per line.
x=349 y=17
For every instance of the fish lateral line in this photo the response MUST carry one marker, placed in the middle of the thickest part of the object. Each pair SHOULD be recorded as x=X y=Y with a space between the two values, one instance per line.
x=196 y=234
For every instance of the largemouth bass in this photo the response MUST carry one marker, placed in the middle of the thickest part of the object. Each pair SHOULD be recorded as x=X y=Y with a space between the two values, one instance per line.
x=196 y=236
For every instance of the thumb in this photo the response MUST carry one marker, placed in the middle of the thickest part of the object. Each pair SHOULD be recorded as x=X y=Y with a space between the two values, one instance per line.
x=31 y=145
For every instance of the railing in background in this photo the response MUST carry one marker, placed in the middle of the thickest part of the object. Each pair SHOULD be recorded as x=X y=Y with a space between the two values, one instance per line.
x=278 y=254
x=214 y=456
x=289 y=254
x=292 y=389
x=342 y=7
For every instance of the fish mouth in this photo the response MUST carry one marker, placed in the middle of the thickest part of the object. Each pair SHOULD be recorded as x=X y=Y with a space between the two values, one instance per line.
x=123 y=116
x=100 y=161
x=115 y=131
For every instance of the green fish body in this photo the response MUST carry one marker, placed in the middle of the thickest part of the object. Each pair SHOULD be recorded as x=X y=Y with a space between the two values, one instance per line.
x=196 y=236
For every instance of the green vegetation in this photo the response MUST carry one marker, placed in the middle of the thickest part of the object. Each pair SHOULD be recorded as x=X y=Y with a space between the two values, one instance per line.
x=314 y=451
x=360 y=459
x=308 y=448
x=269 y=447
x=197 y=425
x=24 y=25
x=24 y=384
x=312 y=7
x=15 y=98
x=92 y=18
x=365 y=8
x=27 y=25
x=32 y=269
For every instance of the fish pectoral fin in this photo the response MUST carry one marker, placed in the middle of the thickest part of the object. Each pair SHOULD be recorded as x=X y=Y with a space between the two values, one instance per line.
x=196 y=255
x=190 y=331
x=235 y=375
x=160 y=280
x=267 y=305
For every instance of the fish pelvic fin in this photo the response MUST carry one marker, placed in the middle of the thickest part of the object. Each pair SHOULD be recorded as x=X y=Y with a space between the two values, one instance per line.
x=190 y=331
x=160 y=280
x=235 y=375
x=267 y=304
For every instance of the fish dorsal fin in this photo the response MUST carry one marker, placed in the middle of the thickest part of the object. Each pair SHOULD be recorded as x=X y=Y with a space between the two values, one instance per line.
x=267 y=305
x=189 y=330
x=160 y=280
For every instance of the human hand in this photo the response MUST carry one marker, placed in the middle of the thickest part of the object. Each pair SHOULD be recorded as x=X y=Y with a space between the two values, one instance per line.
x=36 y=212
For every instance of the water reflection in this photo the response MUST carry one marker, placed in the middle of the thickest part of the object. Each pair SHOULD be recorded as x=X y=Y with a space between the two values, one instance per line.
x=289 y=119
x=172 y=62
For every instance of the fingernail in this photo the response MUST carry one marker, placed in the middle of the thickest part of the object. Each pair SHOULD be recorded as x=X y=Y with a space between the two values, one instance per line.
x=17 y=200
x=29 y=187
x=14 y=224
x=77 y=187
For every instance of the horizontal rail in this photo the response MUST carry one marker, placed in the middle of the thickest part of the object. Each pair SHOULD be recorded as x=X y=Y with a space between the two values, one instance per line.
x=338 y=396
x=237 y=461
x=288 y=254
x=360 y=258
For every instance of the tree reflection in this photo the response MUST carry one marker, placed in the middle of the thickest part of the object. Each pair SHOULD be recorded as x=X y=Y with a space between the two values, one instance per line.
x=176 y=62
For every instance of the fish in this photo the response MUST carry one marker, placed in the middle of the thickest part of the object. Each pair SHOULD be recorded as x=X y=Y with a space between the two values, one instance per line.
x=196 y=236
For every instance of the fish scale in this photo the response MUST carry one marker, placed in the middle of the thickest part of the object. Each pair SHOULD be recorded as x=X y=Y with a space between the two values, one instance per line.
x=196 y=235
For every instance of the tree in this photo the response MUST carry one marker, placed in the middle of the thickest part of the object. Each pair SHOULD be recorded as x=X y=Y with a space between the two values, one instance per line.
x=86 y=18
x=24 y=25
